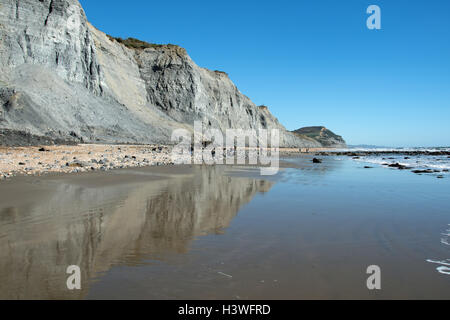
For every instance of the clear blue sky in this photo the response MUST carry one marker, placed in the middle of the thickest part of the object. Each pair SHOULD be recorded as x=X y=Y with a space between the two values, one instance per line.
x=314 y=62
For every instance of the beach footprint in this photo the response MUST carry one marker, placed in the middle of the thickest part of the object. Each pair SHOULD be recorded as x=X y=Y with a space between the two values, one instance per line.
x=444 y=265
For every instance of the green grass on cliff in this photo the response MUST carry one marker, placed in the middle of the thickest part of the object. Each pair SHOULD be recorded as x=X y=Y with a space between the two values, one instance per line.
x=221 y=72
x=137 y=44
x=316 y=132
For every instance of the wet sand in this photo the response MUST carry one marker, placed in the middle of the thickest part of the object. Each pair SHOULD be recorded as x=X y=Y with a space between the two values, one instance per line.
x=220 y=232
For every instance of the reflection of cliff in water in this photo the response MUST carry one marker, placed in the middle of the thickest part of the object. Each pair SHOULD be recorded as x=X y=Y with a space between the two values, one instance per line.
x=302 y=169
x=121 y=224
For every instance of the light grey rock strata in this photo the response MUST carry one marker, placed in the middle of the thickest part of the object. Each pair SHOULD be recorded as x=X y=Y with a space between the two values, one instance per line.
x=63 y=79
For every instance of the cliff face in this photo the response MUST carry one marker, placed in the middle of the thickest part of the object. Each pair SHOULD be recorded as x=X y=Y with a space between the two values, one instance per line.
x=61 y=78
x=322 y=135
x=49 y=33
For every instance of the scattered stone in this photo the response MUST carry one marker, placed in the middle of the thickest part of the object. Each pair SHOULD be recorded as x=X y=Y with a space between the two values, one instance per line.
x=398 y=166
x=76 y=164
x=315 y=160
x=422 y=171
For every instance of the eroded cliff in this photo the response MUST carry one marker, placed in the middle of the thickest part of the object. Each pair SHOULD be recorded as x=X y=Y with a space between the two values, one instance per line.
x=62 y=78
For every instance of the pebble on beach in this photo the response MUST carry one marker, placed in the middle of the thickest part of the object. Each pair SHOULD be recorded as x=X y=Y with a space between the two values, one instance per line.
x=83 y=158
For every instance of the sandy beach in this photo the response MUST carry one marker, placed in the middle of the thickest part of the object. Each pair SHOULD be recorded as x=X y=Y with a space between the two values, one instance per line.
x=39 y=160
x=79 y=158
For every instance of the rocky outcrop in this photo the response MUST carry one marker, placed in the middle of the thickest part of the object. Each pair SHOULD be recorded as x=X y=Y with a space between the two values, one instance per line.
x=322 y=135
x=63 y=79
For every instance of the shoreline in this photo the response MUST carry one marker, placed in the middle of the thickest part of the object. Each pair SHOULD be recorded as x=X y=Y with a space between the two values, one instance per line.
x=410 y=160
x=63 y=159
x=83 y=158
x=361 y=153
x=79 y=158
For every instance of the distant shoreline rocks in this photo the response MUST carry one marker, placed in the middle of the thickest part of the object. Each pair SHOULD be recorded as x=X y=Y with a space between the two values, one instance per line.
x=391 y=154
x=385 y=152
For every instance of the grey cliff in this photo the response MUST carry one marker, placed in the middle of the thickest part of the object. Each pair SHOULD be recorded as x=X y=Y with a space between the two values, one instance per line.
x=63 y=79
